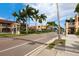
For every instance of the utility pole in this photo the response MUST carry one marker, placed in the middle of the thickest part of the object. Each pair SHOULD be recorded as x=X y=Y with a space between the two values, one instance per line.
x=58 y=21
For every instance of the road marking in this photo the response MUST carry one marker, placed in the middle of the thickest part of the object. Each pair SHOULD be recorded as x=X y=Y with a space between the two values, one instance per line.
x=18 y=45
x=42 y=46
x=33 y=50
x=13 y=47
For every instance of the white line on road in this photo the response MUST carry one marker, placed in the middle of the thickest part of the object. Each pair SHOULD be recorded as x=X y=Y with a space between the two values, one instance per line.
x=34 y=50
x=39 y=48
x=13 y=47
x=18 y=45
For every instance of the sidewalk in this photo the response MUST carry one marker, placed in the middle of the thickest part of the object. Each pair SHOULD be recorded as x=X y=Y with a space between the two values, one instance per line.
x=71 y=48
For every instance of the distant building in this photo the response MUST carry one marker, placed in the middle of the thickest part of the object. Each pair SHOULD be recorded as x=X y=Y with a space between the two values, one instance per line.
x=72 y=25
x=9 y=27
x=39 y=27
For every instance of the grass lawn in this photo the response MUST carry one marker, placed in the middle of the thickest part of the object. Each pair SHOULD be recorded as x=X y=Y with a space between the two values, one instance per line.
x=10 y=35
x=14 y=35
x=56 y=42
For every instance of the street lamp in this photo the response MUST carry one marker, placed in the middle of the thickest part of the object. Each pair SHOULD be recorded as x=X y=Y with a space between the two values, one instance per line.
x=58 y=21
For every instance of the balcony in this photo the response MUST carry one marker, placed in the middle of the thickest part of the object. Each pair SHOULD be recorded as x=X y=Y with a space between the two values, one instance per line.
x=72 y=24
x=5 y=26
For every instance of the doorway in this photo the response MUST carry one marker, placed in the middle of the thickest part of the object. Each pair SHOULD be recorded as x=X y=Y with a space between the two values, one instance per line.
x=72 y=30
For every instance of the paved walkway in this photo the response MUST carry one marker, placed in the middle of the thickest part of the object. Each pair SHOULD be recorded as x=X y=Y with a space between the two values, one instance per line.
x=71 y=48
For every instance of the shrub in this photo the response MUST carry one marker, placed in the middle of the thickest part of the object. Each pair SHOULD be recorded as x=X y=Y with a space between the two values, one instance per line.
x=56 y=42
x=23 y=30
x=77 y=33
x=31 y=31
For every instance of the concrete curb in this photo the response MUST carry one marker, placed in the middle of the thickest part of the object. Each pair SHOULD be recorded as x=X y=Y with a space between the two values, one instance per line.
x=40 y=48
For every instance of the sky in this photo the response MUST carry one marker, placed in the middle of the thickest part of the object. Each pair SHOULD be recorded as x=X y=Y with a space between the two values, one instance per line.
x=65 y=10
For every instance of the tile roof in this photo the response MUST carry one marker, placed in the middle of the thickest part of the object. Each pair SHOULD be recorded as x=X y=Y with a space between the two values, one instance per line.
x=6 y=21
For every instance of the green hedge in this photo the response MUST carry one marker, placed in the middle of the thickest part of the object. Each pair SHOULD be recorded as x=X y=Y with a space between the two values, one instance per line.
x=34 y=31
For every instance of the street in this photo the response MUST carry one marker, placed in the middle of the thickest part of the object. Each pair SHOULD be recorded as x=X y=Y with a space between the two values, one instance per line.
x=22 y=45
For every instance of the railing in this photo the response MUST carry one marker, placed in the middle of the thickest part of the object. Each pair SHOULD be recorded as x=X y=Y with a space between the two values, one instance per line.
x=5 y=25
x=71 y=25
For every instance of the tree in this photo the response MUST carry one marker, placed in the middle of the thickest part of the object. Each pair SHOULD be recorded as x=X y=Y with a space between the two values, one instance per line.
x=24 y=15
x=51 y=24
x=38 y=17
x=18 y=19
x=42 y=18
x=77 y=8
x=29 y=13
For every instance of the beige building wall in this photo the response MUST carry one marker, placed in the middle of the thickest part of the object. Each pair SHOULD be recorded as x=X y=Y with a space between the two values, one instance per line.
x=76 y=23
x=17 y=26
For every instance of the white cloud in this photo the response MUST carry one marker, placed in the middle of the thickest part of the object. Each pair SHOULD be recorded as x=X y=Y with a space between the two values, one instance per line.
x=50 y=9
x=66 y=9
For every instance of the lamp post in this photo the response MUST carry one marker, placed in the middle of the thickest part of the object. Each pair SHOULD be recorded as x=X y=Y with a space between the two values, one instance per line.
x=58 y=21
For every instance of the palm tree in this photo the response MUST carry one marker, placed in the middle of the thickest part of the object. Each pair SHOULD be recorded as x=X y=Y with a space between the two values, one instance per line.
x=19 y=17
x=77 y=8
x=29 y=13
x=18 y=20
x=36 y=17
x=42 y=18
x=24 y=15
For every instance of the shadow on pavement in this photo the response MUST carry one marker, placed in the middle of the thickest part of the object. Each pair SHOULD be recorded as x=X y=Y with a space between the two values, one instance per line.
x=74 y=48
x=31 y=41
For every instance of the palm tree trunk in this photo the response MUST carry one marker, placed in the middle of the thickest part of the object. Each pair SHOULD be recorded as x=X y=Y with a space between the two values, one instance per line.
x=26 y=27
x=36 y=26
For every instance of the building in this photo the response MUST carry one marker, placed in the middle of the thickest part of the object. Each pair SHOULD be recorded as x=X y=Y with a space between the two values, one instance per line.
x=9 y=27
x=43 y=27
x=39 y=27
x=72 y=25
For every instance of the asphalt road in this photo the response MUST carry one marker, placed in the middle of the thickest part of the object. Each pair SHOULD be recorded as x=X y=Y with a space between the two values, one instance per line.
x=22 y=45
